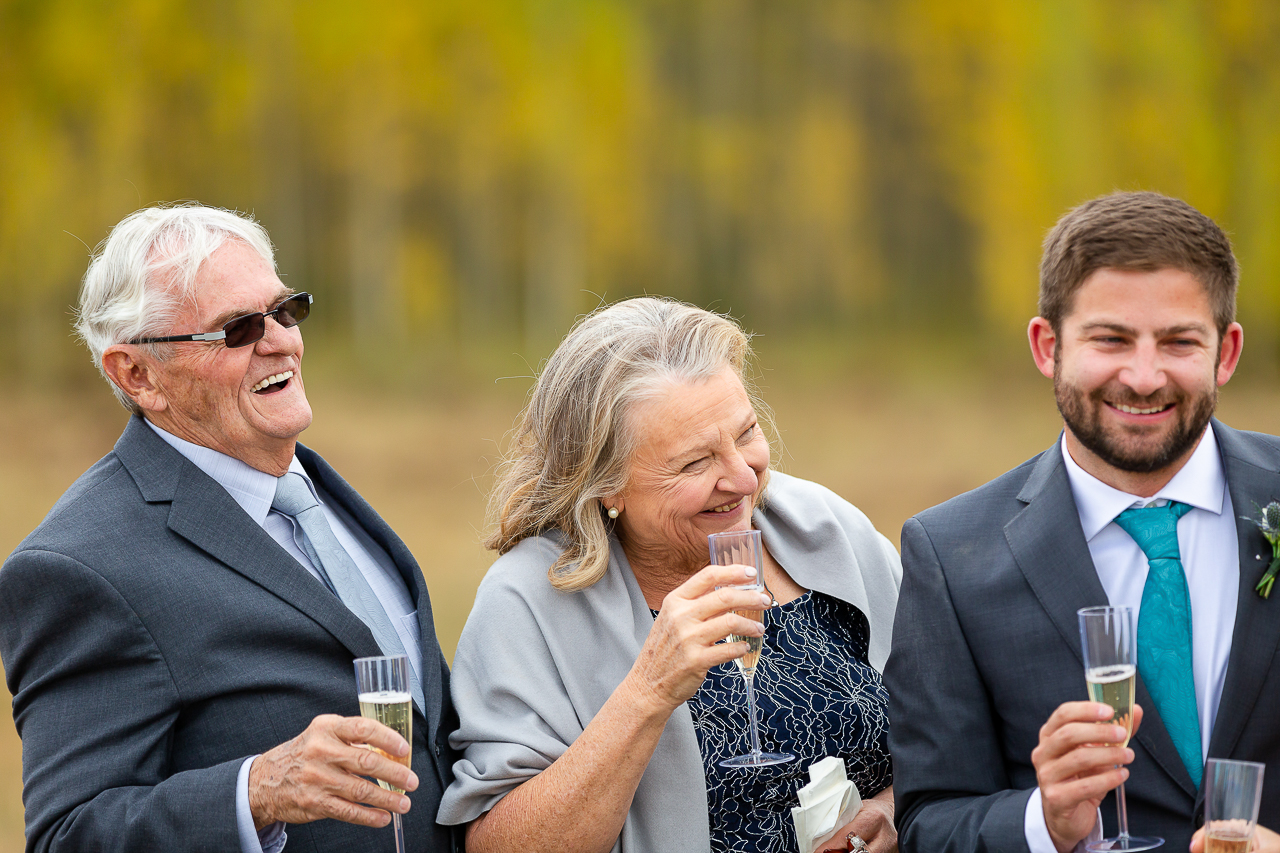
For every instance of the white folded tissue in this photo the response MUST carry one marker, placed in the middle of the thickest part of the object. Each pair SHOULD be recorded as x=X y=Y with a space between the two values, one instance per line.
x=827 y=803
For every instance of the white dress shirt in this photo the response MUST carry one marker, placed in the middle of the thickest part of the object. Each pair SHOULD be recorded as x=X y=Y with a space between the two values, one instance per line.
x=1208 y=544
x=254 y=491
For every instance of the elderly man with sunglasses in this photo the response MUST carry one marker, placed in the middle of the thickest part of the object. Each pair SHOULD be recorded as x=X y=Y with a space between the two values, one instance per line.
x=178 y=634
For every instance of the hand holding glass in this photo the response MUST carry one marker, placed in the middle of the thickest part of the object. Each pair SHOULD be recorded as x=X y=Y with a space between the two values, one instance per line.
x=745 y=548
x=1110 y=649
x=382 y=684
x=1232 y=795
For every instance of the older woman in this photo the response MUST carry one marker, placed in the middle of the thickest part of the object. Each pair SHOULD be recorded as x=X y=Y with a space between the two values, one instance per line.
x=594 y=693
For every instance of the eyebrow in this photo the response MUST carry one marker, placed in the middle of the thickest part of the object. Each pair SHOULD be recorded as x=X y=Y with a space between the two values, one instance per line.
x=1168 y=331
x=698 y=451
x=227 y=316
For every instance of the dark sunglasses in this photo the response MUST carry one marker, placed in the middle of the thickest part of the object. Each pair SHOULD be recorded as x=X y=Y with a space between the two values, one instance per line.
x=250 y=328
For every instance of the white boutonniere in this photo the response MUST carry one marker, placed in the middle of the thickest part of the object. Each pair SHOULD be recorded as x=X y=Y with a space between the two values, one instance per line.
x=1268 y=521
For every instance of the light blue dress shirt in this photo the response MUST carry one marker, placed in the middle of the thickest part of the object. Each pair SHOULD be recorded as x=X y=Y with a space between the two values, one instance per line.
x=1207 y=541
x=254 y=491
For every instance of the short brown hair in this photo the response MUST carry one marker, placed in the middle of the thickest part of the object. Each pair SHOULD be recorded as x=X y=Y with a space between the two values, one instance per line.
x=1142 y=231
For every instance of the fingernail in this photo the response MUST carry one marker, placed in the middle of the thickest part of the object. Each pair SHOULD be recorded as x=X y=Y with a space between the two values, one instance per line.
x=766 y=600
x=413 y=781
x=750 y=571
x=404 y=805
x=1105 y=712
x=1120 y=733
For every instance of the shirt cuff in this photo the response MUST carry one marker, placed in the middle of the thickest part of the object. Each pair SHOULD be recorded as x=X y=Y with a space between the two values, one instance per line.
x=271 y=838
x=1037 y=831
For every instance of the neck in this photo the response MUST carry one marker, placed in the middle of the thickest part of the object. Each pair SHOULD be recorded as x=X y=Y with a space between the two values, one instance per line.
x=273 y=458
x=657 y=572
x=1143 y=485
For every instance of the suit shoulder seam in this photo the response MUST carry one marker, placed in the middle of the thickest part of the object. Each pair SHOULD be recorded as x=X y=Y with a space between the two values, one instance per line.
x=123 y=599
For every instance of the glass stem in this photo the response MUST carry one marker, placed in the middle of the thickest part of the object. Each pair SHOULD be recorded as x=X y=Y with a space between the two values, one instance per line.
x=1123 y=809
x=399 y=827
x=751 y=713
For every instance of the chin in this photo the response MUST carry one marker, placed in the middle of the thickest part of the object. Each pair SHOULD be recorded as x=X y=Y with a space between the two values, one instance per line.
x=287 y=427
x=739 y=519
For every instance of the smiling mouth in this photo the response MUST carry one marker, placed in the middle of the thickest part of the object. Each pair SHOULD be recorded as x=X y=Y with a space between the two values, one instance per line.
x=727 y=507
x=1135 y=410
x=273 y=383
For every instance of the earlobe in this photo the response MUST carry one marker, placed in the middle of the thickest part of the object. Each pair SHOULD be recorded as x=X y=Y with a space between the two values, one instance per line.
x=134 y=376
x=1044 y=342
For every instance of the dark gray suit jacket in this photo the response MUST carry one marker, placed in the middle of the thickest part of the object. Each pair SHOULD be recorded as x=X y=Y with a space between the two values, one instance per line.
x=154 y=636
x=986 y=645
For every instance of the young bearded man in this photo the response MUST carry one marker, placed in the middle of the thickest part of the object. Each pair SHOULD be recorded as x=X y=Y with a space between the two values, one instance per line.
x=993 y=745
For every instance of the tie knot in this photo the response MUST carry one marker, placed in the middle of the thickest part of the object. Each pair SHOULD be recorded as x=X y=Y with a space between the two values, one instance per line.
x=293 y=495
x=1154 y=528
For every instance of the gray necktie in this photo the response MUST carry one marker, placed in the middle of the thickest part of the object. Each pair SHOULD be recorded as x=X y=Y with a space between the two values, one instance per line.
x=294 y=499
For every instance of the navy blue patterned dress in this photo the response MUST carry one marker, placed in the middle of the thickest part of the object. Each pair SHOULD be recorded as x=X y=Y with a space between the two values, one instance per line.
x=817 y=696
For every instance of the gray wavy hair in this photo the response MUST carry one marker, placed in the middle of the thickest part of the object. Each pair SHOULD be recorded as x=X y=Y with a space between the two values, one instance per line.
x=574 y=440
x=144 y=272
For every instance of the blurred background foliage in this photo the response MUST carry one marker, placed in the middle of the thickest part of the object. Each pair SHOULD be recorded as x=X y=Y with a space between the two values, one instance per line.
x=450 y=174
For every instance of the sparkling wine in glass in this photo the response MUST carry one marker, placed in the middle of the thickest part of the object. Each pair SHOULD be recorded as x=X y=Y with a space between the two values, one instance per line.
x=745 y=548
x=1232 y=795
x=1110 y=647
x=382 y=686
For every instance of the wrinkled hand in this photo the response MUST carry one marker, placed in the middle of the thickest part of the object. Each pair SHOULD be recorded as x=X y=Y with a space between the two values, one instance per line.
x=684 y=642
x=1264 y=841
x=873 y=824
x=1076 y=765
x=318 y=774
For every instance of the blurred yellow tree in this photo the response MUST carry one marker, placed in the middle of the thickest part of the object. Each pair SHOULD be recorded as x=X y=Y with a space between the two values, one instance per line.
x=449 y=174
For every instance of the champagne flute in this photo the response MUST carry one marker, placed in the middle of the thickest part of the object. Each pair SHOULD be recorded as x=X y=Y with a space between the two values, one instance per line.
x=1110 y=648
x=382 y=684
x=1232 y=795
x=744 y=548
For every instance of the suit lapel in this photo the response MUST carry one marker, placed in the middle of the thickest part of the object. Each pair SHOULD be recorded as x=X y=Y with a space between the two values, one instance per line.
x=363 y=513
x=204 y=514
x=1251 y=467
x=1050 y=549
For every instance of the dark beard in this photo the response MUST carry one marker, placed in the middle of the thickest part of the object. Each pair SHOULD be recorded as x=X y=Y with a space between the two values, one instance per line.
x=1193 y=417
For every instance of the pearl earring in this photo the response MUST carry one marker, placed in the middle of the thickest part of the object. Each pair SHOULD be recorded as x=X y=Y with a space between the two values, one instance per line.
x=613 y=512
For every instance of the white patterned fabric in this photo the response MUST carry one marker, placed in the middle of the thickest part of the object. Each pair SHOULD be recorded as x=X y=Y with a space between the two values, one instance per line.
x=817 y=696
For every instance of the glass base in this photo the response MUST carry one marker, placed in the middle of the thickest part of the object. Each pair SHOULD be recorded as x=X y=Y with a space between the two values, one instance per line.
x=1133 y=842
x=757 y=759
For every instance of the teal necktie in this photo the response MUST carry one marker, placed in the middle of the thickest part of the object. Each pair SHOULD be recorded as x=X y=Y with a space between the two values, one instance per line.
x=1164 y=628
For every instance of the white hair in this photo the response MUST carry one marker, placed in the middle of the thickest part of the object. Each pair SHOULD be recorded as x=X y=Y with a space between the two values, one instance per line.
x=144 y=273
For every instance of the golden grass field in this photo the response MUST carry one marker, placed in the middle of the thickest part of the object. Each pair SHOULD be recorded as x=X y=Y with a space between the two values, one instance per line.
x=892 y=445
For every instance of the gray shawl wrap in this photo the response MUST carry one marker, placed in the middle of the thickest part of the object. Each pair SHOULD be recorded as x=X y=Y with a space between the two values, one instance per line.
x=534 y=665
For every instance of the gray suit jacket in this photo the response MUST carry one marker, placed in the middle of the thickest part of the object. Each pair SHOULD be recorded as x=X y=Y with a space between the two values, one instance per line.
x=986 y=645
x=154 y=636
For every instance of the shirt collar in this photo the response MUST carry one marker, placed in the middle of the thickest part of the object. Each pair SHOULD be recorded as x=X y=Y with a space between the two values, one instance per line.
x=252 y=489
x=1201 y=483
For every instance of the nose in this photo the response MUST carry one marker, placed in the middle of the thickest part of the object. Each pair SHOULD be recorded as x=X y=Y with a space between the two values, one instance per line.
x=738 y=477
x=1144 y=374
x=278 y=339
